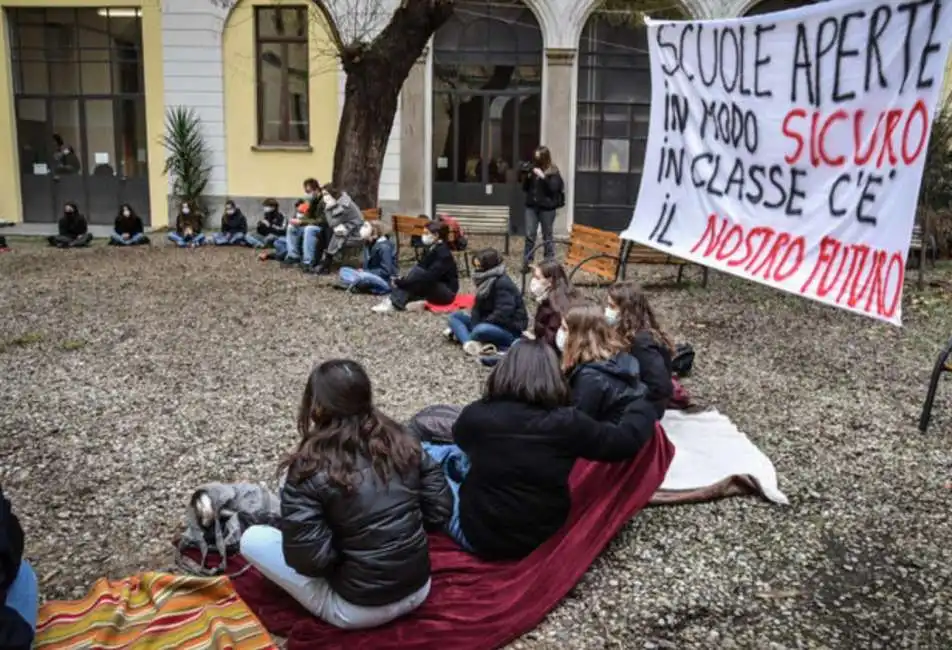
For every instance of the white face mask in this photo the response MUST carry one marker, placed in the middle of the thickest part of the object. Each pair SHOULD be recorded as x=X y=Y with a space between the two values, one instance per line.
x=611 y=315
x=560 y=337
x=366 y=231
x=268 y=210
x=428 y=239
x=126 y=213
x=185 y=210
x=538 y=288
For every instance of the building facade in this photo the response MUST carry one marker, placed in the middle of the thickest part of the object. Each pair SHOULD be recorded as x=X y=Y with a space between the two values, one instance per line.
x=84 y=89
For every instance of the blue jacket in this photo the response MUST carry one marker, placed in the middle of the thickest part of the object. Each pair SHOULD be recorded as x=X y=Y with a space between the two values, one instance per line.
x=379 y=259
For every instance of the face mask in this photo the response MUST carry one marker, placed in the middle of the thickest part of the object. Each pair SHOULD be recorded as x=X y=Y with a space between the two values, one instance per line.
x=560 y=340
x=538 y=288
x=428 y=239
x=68 y=210
x=126 y=213
x=229 y=212
x=366 y=231
x=185 y=210
x=611 y=315
x=268 y=210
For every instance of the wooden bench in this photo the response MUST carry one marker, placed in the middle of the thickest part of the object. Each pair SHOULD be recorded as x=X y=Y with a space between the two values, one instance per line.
x=371 y=214
x=926 y=246
x=641 y=254
x=479 y=219
x=942 y=365
x=411 y=227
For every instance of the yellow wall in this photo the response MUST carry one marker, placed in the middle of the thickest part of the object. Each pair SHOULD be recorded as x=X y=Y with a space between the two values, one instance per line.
x=10 y=201
x=276 y=171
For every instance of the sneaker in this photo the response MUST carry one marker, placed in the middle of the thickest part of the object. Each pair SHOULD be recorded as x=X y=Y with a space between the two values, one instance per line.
x=448 y=334
x=416 y=305
x=473 y=348
x=384 y=307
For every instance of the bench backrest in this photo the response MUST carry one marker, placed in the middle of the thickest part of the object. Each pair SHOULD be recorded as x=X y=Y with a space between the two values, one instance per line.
x=641 y=254
x=410 y=226
x=478 y=219
x=585 y=242
x=371 y=214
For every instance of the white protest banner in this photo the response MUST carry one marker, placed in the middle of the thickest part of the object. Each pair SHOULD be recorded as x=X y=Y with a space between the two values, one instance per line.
x=788 y=148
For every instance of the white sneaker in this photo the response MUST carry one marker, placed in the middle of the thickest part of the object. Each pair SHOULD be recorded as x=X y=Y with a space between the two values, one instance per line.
x=473 y=348
x=416 y=305
x=384 y=307
x=448 y=334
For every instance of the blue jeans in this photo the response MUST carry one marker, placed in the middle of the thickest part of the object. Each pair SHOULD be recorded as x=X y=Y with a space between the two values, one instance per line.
x=455 y=466
x=229 y=239
x=534 y=219
x=364 y=281
x=461 y=324
x=308 y=250
x=137 y=238
x=182 y=241
x=23 y=595
x=260 y=242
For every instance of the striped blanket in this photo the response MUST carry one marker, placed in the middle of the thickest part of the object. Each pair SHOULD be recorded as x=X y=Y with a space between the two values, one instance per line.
x=153 y=610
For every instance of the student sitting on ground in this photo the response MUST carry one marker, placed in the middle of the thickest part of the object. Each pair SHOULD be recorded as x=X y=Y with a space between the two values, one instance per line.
x=305 y=230
x=73 y=229
x=550 y=287
x=188 y=228
x=359 y=494
x=631 y=314
x=379 y=263
x=129 y=229
x=234 y=227
x=344 y=220
x=435 y=278
x=19 y=596
x=499 y=313
x=518 y=445
x=602 y=374
x=270 y=228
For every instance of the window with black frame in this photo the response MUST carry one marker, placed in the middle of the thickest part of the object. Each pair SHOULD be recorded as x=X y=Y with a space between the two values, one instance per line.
x=281 y=41
x=614 y=106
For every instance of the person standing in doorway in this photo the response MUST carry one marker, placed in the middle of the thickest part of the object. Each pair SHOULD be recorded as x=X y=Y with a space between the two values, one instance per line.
x=545 y=193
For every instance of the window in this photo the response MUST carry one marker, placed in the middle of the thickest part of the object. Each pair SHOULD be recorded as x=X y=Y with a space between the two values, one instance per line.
x=281 y=35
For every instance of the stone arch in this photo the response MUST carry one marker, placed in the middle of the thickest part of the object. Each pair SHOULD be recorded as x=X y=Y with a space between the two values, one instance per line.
x=755 y=7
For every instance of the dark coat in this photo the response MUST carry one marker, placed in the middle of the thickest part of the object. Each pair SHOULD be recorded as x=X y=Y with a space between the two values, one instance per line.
x=654 y=366
x=15 y=633
x=131 y=225
x=380 y=259
x=72 y=225
x=503 y=306
x=606 y=389
x=516 y=494
x=273 y=223
x=437 y=266
x=547 y=322
x=190 y=220
x=543 y=193
x=370 y=545
x=234 y=223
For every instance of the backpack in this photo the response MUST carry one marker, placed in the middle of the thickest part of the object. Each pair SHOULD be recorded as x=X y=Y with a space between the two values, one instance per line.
x=683 y=361
x=458 y=240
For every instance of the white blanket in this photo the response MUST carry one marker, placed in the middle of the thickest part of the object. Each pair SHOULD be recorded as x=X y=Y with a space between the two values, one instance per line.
x=710 y=449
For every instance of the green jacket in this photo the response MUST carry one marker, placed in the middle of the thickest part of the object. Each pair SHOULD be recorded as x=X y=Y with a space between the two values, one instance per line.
x=315 y=213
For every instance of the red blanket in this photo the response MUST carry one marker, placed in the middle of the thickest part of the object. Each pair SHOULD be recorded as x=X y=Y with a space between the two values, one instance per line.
x=477 y=605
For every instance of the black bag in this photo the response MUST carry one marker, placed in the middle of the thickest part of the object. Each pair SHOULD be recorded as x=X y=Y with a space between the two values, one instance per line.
x=683 y=361
x=435 y=423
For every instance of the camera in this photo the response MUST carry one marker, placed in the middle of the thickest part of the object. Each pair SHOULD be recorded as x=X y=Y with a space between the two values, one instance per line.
x=525 y=167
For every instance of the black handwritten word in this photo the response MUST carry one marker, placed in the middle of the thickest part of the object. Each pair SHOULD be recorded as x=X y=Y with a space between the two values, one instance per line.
x=732 y=124
x=660 y=231
x=711 y=49
x=912 y=128
x=823 y=52
x=866 y=181
x=777 y=187
x=676 y=112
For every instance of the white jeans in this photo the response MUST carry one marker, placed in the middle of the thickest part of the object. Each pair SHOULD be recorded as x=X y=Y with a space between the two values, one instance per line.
x=261 y=546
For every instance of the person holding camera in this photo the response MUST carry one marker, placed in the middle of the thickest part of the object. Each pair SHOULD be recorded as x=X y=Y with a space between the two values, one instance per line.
x=545 y=193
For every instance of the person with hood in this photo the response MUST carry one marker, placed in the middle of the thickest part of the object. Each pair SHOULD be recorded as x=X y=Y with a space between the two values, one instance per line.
x=602 y=374
x=498 y=316
x=435 y=278
x=73 y=230
x=129 y=229
x=306 y=230
x=359 y=497
x=234 y=227
x=188 y=228
x=379 y=263
x=344 y=220
x=271 y=228
x=630 y=313
x=19 y=596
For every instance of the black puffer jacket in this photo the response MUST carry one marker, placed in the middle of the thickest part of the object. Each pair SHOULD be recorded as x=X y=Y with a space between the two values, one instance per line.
x=15 y=633
x=503 y=306
x=543 y=193
x=654 y=366
x=606 y=389
x=370 y=545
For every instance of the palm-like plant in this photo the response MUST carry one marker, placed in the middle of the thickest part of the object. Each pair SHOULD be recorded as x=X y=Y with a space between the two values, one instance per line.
x=188 y=156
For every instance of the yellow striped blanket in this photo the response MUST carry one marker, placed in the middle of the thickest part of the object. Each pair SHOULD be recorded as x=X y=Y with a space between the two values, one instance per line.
x=155 y=611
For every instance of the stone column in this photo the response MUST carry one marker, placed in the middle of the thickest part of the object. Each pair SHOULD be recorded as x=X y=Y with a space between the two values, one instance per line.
x=413 y=154
x=558 y=128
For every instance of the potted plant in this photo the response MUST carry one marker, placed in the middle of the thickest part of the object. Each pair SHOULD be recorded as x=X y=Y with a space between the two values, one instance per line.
x=188 y=156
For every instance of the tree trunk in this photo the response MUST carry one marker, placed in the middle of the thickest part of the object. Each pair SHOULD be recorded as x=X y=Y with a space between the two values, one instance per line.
x=375 y=75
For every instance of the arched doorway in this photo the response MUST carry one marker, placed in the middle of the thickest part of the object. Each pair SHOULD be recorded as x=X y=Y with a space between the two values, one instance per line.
x=770 y=6
x=614 y=109
x=487 y=81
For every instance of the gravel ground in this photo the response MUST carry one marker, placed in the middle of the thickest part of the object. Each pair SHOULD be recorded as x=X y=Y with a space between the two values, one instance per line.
x=131 y=376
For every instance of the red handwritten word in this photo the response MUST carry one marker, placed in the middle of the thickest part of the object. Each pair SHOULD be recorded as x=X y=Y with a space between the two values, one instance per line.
x=863 y=278
x=911 y=126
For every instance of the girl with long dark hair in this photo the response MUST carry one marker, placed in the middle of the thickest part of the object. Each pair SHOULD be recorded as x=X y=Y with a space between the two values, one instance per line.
x=359 y=492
